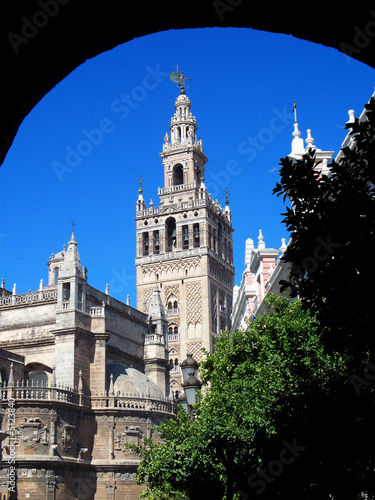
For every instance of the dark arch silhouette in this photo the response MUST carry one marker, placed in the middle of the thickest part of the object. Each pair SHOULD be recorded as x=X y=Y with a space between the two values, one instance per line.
x=42 y=41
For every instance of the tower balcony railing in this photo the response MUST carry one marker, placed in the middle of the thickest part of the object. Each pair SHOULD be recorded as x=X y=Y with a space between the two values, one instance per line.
x=174 y=337
x=175 y=311
x=178 y=188
x=175 y=369
x=154 y=339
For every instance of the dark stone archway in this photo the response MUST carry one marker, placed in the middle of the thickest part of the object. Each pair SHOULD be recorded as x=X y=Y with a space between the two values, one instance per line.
x=42 y=41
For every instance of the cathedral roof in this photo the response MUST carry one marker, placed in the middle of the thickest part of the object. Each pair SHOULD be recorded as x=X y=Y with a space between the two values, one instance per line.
x=127 y=380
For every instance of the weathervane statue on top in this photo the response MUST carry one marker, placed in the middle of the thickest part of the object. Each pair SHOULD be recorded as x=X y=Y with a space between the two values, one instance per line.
x=179 y=78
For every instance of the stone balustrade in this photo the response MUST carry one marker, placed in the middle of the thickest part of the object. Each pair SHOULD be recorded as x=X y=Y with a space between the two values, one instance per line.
x=61 y=393
x=29 y=298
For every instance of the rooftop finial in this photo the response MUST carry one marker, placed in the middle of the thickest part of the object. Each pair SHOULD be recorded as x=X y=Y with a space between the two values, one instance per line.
x=140 y=182
x=227 y=193
x=295 y=111
x=179 y=78
x=73 y=225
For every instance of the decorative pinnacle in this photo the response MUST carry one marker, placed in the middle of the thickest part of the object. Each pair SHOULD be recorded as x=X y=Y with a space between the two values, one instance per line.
x=140 y=181
x=227 y=193
x=295 y=111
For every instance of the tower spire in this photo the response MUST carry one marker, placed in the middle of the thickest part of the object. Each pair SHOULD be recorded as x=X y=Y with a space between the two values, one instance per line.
x=141 y=205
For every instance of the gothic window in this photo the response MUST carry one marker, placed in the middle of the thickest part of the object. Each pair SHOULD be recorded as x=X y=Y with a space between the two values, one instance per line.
x=196 y=236
x=219 y=240
x=56 y=274
x=156 y=243
x=178 y=175
x=170 y=224
x=38 y=378
x=66 y=292
x=172 y=332
x=145 y=243
x=185 y=237
x=172 y=329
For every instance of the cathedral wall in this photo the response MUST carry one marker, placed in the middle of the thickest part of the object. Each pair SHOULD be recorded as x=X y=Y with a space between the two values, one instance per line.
x=84 y=360
x=43 y=354
x=25 y=322
x=127 y=334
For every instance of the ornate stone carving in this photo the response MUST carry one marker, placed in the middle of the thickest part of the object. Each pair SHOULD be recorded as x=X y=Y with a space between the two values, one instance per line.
x=171 y=290
x=67 y=437
x=131 y=435
x=193 y=303
x=32 y=432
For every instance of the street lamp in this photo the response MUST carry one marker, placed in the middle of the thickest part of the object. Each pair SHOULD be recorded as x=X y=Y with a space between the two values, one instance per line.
x=191 y=383
x=188 y=366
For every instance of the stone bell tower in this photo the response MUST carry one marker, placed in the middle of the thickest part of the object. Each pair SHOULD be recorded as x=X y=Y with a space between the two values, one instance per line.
x=185 y=245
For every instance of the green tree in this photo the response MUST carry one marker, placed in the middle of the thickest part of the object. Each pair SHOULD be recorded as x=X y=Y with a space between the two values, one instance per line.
x=262 y=414
x=332 y=223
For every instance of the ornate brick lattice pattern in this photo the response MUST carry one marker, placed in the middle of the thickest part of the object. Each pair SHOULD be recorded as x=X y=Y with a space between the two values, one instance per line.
x=195 y=349
x=193 y=303
x=172 y=268
x=147 y=298
x=171 y=290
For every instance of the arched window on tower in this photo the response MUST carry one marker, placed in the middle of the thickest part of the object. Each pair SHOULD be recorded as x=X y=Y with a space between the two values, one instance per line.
x=156 y=243
x=145 y=244
x=196 y=235
x=170 y=230
x=173 y=335
x=178 y=175
x=185 y=237
x=56 y=274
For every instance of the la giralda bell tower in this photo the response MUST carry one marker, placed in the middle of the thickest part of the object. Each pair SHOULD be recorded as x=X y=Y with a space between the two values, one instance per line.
x=185 y=245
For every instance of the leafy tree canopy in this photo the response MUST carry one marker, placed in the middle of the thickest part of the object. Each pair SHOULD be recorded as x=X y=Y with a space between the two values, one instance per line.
x=266 y=393
x=332 y=225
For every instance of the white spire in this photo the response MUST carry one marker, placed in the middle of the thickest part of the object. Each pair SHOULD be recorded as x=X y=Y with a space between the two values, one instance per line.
x=309 y=141
x=283 y=245
x=298 y=147
x=141 y=205
x=248 y=250
x=261 y=242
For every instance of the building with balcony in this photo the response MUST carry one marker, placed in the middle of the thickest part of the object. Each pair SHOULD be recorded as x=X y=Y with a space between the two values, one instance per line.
x=82 y=376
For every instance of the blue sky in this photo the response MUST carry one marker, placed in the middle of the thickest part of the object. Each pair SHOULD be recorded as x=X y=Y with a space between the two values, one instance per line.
x=80 y=151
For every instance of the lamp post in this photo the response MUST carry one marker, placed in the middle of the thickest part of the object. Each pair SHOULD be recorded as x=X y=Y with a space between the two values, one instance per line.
x=191 y=383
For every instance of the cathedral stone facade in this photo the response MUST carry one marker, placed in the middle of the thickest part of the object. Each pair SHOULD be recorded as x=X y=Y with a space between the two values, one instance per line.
x=185 y=246
x=83 y=375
